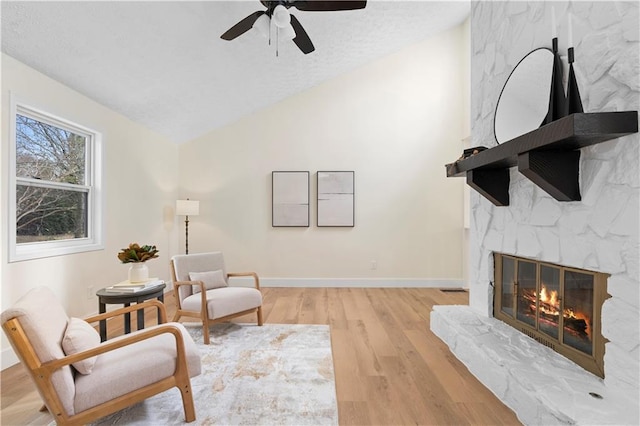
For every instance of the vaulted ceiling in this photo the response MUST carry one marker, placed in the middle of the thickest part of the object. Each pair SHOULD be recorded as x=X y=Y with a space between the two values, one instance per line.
x=164 y=65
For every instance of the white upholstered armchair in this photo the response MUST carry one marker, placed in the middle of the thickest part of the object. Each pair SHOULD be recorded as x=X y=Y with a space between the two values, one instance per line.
x=80 y=379
x=201 y=284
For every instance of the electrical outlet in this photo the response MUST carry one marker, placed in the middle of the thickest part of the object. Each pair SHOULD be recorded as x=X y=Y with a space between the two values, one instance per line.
x=374 y=265
x=90 y=292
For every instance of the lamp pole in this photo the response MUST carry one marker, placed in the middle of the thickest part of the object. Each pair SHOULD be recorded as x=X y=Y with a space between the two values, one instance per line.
x=187 y=208
x=186 y=235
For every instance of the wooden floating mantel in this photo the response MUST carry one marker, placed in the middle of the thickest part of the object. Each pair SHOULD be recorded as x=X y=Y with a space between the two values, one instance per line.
x=549 y=156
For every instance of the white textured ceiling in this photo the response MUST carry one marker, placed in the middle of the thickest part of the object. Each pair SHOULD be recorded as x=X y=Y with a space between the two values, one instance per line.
x=163 y=64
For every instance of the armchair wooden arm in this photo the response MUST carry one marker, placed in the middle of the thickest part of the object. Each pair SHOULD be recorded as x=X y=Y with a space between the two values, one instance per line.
x=179 y=283
x=146 y=304
x=246 y=274
x=204 y=312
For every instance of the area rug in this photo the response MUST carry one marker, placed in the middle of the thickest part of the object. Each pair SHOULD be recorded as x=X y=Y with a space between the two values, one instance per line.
x=270 y=375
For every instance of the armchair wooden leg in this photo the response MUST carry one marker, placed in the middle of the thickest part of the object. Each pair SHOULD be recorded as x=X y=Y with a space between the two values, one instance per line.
x=187 y=402
x=205 y=332
x=176 y=317
x=260 y=315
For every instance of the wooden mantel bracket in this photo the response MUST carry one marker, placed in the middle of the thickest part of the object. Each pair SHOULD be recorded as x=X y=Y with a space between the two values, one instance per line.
x=493 y=184
x=556 y=172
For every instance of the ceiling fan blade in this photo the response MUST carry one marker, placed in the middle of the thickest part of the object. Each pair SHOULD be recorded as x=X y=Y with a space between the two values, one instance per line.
x=328 y=6
x=302 y=39
x=242 y=26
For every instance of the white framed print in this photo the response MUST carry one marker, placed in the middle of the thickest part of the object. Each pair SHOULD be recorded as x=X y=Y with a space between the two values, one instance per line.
x=336 y=201
x=290 y=199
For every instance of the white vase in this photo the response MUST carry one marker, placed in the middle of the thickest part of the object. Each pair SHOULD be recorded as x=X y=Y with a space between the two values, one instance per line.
x=138 y=272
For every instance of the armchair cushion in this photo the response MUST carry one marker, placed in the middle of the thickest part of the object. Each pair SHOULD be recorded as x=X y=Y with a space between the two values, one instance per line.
x=78 y=337
x=125 y=370
x=211 y=280
x=225 y=301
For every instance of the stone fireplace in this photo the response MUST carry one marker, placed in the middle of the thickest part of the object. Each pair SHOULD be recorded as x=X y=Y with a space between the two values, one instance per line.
x=597 y=236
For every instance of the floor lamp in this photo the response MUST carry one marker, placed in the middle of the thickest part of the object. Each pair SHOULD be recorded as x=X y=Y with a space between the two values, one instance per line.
x=187 y=208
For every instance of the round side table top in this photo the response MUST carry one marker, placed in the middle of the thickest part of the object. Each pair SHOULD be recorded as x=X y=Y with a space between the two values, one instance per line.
x=103 y=294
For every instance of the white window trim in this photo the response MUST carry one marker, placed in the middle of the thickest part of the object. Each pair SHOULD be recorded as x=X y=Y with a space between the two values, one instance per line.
x=94 y=187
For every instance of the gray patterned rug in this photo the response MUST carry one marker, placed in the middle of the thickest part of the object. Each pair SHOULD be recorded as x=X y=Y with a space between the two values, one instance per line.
x=270 y=375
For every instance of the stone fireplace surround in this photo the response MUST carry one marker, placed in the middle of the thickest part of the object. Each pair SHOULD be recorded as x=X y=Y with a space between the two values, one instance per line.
x=599 y=233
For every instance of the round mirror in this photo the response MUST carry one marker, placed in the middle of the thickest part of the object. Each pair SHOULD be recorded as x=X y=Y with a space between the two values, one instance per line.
x=524 y=100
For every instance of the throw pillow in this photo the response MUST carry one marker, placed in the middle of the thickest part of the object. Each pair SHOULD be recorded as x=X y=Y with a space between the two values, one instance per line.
x=211 y=280
x=80 y=336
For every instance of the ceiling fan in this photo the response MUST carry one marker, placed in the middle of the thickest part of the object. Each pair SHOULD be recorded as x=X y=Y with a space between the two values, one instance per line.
x=278 y=11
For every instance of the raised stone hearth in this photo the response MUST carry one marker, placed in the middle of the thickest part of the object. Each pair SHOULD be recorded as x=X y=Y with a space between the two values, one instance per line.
x=541 y=386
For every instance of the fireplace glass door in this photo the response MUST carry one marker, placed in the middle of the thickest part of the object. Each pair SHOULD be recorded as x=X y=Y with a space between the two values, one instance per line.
x=578 y=311
x=508 y=285
x=527 y=300
x=556 y=305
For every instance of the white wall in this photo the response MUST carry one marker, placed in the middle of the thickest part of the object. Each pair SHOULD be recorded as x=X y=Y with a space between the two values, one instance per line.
x=601 y=232
x=140 y=184
x=395 y=122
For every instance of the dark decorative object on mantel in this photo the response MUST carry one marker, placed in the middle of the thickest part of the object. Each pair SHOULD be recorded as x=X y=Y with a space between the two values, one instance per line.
x=574 y=103
x=472 y=151
x=557 y=98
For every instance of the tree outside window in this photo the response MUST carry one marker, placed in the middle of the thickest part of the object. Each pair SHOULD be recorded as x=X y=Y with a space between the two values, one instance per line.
x=47 y=155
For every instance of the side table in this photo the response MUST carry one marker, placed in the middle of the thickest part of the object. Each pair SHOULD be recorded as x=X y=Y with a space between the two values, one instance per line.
x=109 y=297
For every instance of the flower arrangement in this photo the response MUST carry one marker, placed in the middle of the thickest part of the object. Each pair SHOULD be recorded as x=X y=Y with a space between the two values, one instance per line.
x=136 y=253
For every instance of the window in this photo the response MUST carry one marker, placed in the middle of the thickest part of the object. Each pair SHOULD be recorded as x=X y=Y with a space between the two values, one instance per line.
x=55 y=195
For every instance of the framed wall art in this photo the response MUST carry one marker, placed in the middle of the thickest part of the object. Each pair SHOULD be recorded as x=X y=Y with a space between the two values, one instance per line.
x=336 y=198
x=290 y=198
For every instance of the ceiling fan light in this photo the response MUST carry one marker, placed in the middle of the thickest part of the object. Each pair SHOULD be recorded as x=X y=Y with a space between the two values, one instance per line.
x=287 y=32
x=281 y=16
x=261 y=26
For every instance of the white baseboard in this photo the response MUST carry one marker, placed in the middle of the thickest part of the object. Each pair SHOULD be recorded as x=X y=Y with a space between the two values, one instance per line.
x=352 y=282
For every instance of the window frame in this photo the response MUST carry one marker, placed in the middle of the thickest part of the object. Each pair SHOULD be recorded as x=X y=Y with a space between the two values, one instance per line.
x=93 y=187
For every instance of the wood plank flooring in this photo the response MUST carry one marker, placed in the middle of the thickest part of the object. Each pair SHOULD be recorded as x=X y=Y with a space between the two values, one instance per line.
x=390 y=369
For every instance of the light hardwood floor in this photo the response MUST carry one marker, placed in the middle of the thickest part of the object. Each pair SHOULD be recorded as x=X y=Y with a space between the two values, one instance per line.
x=390 y=369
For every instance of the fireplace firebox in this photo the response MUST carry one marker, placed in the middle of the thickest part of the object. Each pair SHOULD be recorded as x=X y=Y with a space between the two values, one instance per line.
x=558 y=306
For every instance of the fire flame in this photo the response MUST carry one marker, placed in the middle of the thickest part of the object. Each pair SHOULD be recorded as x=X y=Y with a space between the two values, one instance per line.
x=550 y=305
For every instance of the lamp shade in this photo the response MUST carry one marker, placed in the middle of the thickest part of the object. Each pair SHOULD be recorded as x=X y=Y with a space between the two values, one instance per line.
x=187 y=208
